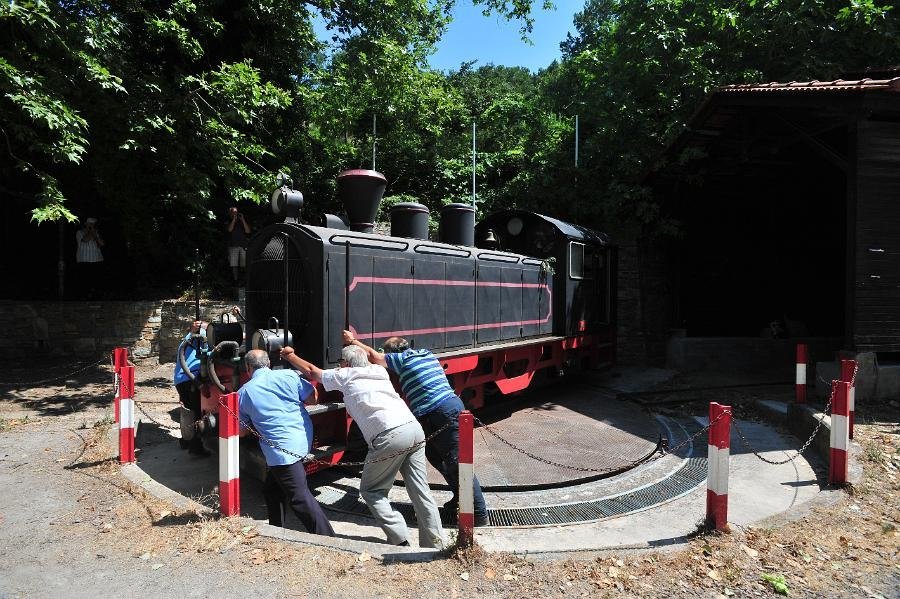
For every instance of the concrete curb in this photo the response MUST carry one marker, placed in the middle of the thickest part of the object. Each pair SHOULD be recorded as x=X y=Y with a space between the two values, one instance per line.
x=800 y=420
x=386 y=553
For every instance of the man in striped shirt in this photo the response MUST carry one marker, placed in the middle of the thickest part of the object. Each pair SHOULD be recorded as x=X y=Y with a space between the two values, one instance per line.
x=435 y=405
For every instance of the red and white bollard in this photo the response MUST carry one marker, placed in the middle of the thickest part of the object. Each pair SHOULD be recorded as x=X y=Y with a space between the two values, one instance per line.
x=848 y=368
x=840 y=433
x=466 y=522
x=802 y=360
x=120 y=359
x=229 y=458
x=126 y=414
x=717 y=466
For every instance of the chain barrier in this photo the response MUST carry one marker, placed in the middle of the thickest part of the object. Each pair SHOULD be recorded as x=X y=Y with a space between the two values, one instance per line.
x=306 y=459
x=809 y=441
x=52 y=379
x=661 y=452
x=154 y=420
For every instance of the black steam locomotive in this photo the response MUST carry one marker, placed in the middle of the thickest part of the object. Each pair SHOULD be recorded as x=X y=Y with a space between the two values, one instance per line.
x=531 y=293
x=518 y=294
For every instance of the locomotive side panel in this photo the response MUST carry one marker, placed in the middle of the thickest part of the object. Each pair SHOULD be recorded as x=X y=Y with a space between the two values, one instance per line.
x=429 y=312
x=488 y=303
x=511 y=303
x=459 y=304
x=392 y=294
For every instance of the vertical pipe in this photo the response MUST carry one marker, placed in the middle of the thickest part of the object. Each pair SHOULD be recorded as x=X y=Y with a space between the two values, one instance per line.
x=347 y=286
x=374 y=138
x=719 y=446
x=287 y=288
x=197 y=284
x=848 y=370
x=802 y=359
x=229 y=458
x=840 y=433
x=61 y=262
x=126 y=415
x=466 y=479
x=473 y=164
x=576 y=141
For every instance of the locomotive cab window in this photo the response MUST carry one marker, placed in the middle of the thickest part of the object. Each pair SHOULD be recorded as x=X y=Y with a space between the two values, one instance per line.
x=578 y=268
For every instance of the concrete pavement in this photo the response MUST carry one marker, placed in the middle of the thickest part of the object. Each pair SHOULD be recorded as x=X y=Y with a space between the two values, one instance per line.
x=757 y=491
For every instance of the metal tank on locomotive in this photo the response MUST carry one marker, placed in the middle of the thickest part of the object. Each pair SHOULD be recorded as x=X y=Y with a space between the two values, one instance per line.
x=498 y=303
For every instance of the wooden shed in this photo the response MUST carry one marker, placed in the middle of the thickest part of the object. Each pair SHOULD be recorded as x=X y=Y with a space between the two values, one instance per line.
x=789 y=194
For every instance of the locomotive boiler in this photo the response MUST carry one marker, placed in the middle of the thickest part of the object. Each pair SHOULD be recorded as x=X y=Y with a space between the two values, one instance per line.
x=519 y=295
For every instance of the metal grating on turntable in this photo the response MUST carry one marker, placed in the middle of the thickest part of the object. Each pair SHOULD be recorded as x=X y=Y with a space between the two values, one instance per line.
x=680 y=482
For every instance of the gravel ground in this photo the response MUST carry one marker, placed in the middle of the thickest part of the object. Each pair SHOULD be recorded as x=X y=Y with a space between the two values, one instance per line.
x=71 y=525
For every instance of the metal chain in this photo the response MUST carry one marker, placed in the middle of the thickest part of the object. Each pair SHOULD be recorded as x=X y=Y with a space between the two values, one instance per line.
x=655 y=456
x=805 y=445
x=306 y=459
x=152 y=419
x=55 y=378
x=691 y=437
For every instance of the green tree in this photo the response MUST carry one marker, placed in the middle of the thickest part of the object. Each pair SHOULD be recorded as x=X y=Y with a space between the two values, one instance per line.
x=637 y=69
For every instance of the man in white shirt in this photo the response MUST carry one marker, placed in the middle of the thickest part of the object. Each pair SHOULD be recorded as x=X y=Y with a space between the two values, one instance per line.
x=395 y=438
x=88 y=258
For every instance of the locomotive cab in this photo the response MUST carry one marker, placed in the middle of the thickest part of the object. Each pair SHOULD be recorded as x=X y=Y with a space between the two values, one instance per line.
x=582 y=262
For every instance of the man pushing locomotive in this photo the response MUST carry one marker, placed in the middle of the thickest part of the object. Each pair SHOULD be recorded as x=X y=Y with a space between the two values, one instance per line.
x=436 y=406
x=395 y=441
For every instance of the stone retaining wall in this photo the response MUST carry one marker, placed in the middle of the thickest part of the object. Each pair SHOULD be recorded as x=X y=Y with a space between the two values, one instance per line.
x=149 y=328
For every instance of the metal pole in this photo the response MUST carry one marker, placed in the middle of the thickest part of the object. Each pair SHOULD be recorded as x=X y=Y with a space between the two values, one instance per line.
x=287 y=289
x=466 y=518
x=719 y=453
x=347 y=287
x=473 y=164
x=229 y=456
x=61 y=263
x=374 y=138
x=576 y=141
x=196 y=283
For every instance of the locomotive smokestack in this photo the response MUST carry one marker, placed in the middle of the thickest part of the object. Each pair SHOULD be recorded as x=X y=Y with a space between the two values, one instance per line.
x=361 y=191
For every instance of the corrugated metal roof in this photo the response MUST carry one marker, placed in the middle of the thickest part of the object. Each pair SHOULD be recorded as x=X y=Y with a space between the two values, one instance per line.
x=858 y=85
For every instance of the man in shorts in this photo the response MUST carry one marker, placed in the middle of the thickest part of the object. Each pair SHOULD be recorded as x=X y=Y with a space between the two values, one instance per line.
x=238 y=231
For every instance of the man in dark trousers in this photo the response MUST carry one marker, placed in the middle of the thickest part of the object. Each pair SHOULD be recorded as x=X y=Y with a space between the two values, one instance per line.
x=273 y=402
x=188 y=389
x=435 y=405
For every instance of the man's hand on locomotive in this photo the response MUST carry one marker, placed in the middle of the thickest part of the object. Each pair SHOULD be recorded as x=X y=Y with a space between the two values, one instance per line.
x=348 y=338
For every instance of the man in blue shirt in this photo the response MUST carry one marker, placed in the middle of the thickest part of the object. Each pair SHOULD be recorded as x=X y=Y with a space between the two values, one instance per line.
x=272 y=401
x=188 y=389
x=434 y=403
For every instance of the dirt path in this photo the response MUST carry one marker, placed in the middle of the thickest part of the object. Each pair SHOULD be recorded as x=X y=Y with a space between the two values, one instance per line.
x=71 y=525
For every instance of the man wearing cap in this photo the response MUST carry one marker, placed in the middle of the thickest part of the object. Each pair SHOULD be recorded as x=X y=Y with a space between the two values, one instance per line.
x=395 y=440
x=273 y=402
x=437 y=407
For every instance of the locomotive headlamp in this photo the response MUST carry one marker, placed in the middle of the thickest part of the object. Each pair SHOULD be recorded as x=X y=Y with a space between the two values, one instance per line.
x=287 y=201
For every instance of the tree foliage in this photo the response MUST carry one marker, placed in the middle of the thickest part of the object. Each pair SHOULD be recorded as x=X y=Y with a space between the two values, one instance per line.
x=158 y=114
x=637 y=69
